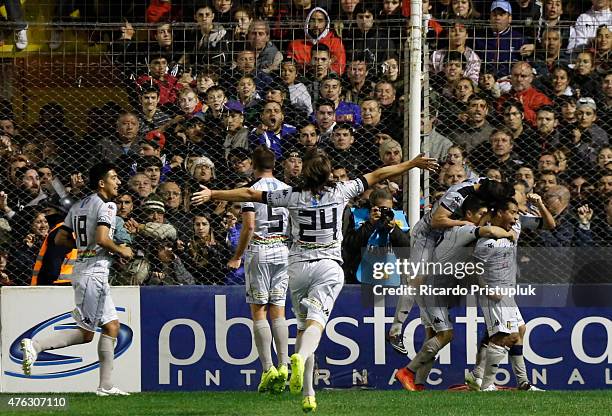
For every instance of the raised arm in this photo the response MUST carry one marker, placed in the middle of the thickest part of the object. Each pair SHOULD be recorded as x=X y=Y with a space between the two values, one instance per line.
x=441 y=218
x=233 y=195
x=420 y=162
x=493 y=231
x=547 y=218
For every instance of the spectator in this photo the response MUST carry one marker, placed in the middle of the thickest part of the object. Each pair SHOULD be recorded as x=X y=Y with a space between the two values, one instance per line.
x=546 y=181
x=561 y=82
x=551 y=55
x=250 y=99
x=391 y=71
x=317 y=30
x=268 y=57
x=172 y=197
x=158 y=75
x=360 y=87
x=557 y=199
x=476 y=128
x=189 y=103
x=140 y=184
x=243 y=18
x=551 y=19
x=202 y=255
x=150 y=116
x=273 y=132
x=460 y=9
x=356 y=239
x=5 y=278
x=457 y=38
x=340 y=174
x=308 y=137
x=547 y=163
x=503 y=158
x=126 y=202
x=213 y=118
x=292 y=167
x=224 y=9
x=319 y=68
x=166 y=267
x=14 y=13
x=241 y=163
x=366 y=38
x=602 y=48
x=207 y=78
x=522 y=90
x=152 y=167
x=342 y=152
x=456 y=156
x=523 y=134
x=30 y=227
x=280 y=94
x=237 y=134
x=345 y=112
x=163 y=11
x=605 y=185
x=525 y=174
x=298 y=93
x=587 y=23
x=604 y=159
x=500 y=44
x=385 y=94
x=123 y=143
x=548 y=135
x=588 y=137
x=585 y=78
x=325 y=118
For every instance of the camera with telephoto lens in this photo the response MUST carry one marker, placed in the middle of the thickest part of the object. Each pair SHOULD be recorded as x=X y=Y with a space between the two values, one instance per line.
x=386 y=215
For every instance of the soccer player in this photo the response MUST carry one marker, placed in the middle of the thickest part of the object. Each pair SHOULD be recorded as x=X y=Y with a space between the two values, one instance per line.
x=92 y=223
x=533 y=214
x=316 y=276
x=452 y=248
x=263 y=238
x=502 y=315
x=444 y=214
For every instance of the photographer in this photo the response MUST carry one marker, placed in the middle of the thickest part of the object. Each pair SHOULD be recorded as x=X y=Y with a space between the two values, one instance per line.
x=381 y=218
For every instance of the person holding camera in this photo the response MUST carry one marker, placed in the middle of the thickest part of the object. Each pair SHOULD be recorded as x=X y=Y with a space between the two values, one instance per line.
x=381 y=219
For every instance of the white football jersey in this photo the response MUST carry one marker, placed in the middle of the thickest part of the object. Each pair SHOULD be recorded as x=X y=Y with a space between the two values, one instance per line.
x=271 y=223
x=83 y=219
x=316 y=220
x=454 y=244
x=452 y=200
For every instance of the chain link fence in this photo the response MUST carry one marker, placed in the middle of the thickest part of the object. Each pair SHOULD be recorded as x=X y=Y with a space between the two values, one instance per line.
x=176 y=105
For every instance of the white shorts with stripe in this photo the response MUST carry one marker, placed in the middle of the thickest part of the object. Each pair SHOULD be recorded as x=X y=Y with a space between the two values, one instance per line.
x=266 y=277
x=92 y=298
x=501 y=316
x=315 y=286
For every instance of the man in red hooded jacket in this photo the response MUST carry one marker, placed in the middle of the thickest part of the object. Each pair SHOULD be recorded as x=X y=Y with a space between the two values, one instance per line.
x=317 y=31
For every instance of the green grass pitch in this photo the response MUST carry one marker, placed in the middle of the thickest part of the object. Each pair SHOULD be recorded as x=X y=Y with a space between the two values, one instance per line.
x=336 y=402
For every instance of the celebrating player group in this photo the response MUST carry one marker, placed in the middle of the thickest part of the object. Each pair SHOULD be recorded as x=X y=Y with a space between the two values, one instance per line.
x=482 y=214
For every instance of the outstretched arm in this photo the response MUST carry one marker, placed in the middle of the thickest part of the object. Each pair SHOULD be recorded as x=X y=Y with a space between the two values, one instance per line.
x=233 y=195
x=420 y=162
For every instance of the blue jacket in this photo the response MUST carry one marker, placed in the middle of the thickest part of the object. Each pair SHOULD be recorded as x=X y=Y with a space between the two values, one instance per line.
x=499 y=49
x=275 y=142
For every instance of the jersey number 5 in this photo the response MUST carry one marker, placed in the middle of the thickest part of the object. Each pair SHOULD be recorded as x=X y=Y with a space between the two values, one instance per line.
x=272 y=217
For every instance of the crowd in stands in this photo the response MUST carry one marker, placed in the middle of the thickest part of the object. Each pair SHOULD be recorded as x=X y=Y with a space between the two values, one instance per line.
x=518 y=91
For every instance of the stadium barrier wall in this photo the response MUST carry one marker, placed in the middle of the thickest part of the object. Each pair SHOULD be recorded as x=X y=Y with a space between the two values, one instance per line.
x=199 y=338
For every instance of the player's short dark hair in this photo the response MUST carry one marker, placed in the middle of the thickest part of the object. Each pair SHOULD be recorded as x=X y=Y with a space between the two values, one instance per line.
x=491 y=191
x=263 y=158
x=502 y=204
x=98 y=172
x=472 y=203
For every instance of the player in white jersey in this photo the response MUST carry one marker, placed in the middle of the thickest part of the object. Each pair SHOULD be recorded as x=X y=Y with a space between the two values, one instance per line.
x=502 y=316
x=446 y=213
x=315 y=274
x=263 y=242
x=452 y=248
x=533 y=214
x=89 y=228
